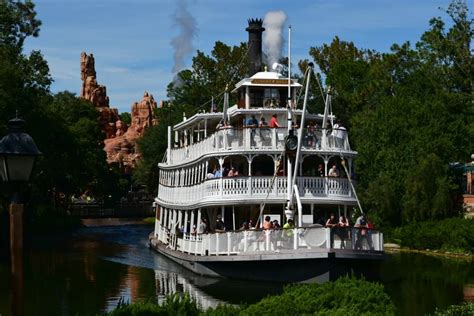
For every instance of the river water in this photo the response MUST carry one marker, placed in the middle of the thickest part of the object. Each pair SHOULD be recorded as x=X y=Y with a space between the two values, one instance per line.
x=90 y=270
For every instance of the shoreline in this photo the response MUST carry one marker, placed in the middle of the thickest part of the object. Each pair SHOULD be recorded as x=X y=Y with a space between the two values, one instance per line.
x=395 y=248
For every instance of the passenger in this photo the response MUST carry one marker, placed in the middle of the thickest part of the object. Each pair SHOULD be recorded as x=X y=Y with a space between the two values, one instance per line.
x=310 y=138
x=333 y=172
x=253 y=124
x=211 y=175
x=217 y=173
x=287 y=233
x=320 y=172
x=267 y=224
x=252 y=121
x=343 y=227
x=202 y=227
x=232 y=172
x=220 y=226
x=263 y=122
x=276 y=225
x=251 y=225
x=244 y=226
x=362 y=233
x=332 y=224
x=274 y=121
x=220 y=125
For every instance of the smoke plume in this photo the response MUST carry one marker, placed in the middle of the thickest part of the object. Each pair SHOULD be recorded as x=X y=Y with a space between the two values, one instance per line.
x=273 y=35
x=182 y=43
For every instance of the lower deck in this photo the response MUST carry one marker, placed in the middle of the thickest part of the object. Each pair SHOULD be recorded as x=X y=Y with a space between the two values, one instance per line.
x=283 y=265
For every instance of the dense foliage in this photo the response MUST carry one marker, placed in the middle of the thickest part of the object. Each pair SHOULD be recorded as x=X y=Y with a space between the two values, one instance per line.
x=451 y=234
x=410 y=113
x=466 y=309
x=64 y=127
x=345 y=296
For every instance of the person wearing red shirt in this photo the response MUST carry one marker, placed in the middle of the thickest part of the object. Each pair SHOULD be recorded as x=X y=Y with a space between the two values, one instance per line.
x=274 y=121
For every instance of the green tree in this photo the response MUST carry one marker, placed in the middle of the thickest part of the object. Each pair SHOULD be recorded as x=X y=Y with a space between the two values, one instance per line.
x=209 y=75
x=126 y=118
x=410 y=113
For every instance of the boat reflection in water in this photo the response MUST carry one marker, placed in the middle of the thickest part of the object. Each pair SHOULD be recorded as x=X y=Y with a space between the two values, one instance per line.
x=210 y=292
x=169 y=283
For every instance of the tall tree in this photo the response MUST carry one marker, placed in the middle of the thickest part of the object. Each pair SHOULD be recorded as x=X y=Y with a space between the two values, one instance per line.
x=409 y=113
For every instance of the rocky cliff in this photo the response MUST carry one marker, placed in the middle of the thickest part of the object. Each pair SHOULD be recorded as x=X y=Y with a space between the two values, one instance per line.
x=120 y=139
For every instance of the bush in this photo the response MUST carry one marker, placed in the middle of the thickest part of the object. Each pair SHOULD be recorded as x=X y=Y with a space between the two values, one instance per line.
x=173 y=305
x=346 y=296
x=452 y=234
x=466 y=309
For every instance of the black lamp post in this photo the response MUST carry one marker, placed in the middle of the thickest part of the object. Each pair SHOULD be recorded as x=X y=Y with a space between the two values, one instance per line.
x=18 y=152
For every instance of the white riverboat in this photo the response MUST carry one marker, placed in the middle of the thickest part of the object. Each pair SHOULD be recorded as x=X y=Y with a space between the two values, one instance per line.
x=241 y=172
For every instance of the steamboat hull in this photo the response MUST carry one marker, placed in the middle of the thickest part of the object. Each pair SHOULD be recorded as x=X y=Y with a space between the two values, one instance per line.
x=317 y=265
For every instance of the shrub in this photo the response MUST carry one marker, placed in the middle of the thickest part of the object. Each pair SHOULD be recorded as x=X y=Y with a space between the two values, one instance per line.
x=346 y=296
x=452 y=234
x=466 y=309
x=173 y=305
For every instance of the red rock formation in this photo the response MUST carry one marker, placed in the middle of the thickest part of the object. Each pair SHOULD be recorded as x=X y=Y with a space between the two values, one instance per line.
x=121 y=149
x=142 y=116
x=120 y=140
x=97 y=95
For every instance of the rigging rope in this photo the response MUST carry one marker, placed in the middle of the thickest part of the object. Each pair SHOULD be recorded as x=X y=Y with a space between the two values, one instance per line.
x=343 y=163
x=270 y=188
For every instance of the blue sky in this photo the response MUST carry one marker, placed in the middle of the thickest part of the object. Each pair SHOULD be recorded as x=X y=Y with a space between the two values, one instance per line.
x=131 y=39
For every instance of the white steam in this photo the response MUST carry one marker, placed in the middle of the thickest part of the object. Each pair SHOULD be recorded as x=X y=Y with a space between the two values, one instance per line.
x=273 y=35
x=183 y=42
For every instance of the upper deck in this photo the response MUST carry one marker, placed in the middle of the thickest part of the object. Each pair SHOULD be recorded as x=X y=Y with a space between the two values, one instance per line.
x=258 y=140
x=259 y=98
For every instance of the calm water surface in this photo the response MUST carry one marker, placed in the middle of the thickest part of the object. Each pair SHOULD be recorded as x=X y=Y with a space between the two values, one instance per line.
x=89 y=271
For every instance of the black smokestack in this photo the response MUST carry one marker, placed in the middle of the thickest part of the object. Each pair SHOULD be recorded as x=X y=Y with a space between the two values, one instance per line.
x=255 y=30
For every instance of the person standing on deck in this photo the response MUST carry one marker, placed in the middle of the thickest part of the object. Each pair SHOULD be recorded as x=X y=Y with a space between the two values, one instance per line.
x=274 y=121
x=220 y=227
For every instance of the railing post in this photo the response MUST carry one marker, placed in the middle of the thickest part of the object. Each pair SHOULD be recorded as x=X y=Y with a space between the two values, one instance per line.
x=267 y=240
x=229 y=243
x=245 y=241
x=295 y=238
x=217 y=243
x=326 y=185
x=274 y=138
x=221 y=185
x=353 y=236
x=328 y=238
x=195 y=244
x=249 y=185
x=381 y=241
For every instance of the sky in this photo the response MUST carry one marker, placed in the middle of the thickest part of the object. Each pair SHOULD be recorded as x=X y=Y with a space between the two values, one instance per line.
x=132 y=40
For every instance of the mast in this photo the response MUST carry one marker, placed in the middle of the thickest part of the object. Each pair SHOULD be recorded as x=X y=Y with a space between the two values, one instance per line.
x=289 y=167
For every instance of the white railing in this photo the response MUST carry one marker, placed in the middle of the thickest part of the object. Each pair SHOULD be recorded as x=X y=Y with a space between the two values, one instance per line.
x=253 y=187
x=263 y=138
x=255 y=241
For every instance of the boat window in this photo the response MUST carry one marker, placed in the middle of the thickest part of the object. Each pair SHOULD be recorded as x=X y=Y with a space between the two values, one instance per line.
x=256 y=97
x=272 y=93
